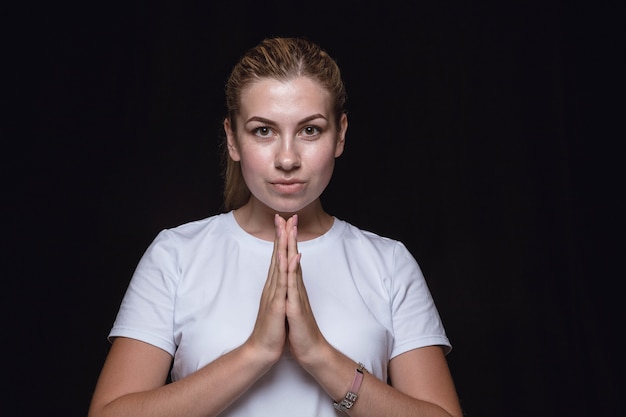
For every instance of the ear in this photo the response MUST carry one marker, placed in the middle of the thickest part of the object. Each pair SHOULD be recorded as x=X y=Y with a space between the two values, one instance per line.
x=231 y=141
x=341 y=138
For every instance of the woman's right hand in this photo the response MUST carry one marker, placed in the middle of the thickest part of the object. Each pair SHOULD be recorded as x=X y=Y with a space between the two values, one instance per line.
x=270 y=333
x=133 y=380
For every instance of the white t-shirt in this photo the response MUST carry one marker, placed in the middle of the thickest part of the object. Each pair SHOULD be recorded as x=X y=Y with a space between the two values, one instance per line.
x=196 y=291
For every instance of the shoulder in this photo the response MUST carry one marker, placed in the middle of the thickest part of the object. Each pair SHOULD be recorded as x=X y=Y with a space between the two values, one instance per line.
x=191 y=236
x=375 y=250
x=352 y=234
x=197 y=229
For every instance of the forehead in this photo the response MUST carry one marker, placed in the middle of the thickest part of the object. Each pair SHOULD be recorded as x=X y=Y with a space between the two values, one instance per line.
x=268 y=96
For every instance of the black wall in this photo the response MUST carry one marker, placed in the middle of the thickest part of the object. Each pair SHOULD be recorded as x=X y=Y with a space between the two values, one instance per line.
x=484 y=135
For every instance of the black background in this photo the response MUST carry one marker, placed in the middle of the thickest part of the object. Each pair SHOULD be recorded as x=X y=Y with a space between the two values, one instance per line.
x=484 y=135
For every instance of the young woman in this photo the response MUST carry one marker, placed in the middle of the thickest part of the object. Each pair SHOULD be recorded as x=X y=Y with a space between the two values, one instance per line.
x=277 y=308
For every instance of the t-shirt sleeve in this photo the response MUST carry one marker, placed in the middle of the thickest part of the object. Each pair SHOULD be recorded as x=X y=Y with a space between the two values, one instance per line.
x=147 y=309
x=416 y=321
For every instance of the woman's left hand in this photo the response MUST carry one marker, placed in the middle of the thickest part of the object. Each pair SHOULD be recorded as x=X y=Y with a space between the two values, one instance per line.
x=422 y=384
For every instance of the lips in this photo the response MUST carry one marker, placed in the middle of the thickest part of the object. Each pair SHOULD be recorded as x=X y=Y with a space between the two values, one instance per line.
x=288 y=187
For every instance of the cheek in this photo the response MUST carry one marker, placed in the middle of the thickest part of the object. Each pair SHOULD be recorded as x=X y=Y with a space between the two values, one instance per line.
x=324 y=165
x=253 y=162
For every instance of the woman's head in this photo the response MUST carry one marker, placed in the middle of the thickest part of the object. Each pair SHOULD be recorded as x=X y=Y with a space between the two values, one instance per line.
x=282 y=59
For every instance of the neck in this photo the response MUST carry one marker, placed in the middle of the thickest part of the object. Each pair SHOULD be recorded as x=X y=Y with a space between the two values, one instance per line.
x=258 y=219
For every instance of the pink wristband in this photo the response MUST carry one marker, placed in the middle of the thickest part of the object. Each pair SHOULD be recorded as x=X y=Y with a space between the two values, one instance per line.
x=351 y=395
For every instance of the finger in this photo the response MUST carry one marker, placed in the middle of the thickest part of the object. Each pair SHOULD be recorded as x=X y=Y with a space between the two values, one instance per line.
x=295 y=303
x=292 y=228
x=281 y=255
x=294 y=268
x=272 y=271
x=282 y=237
x=276 y=283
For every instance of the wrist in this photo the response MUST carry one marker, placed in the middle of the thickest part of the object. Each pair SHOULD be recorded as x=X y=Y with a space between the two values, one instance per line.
x=353 y=393
x=320 y=358
x=333 y=370
x=259 y=357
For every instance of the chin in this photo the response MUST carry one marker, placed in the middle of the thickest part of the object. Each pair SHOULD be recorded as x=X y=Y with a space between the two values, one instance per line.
x=289 y=208
x=287 y=211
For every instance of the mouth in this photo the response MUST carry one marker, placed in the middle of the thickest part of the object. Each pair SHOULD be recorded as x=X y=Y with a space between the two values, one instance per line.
x=288 y=187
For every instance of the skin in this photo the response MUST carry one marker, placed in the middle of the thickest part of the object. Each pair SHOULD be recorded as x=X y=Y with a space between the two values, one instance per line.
x=286 y=141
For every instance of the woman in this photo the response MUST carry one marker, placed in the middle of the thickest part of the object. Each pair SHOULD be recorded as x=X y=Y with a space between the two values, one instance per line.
x=277 y=308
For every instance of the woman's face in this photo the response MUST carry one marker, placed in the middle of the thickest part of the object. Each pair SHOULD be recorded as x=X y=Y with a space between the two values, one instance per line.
x=286 y=141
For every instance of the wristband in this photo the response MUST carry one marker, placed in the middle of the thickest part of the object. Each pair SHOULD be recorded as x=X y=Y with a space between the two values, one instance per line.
x=351 y=395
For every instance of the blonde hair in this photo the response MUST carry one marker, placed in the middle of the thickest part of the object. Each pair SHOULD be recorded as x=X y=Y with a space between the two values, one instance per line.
x=281 y=59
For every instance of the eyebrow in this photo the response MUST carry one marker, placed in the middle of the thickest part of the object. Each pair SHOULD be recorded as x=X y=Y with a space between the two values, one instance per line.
x=270 y=122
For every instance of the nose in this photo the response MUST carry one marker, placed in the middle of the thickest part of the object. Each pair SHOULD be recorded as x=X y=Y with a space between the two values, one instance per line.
x=287 y=156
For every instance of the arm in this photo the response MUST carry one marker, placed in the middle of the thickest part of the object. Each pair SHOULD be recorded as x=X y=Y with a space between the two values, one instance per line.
x=132 y=382
x=421 y=382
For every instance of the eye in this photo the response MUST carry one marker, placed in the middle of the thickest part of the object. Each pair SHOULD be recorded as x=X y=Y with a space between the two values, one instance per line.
x=311 y=131
x=262 y=131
